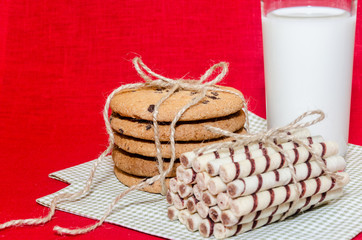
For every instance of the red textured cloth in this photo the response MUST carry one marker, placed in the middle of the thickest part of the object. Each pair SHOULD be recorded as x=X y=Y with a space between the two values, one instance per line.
x=60 y=59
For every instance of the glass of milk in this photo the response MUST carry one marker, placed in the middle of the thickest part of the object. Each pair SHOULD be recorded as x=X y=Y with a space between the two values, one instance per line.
x=308 y=61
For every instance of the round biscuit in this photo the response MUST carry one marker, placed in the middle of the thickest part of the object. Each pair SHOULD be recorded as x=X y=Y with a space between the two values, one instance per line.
x=184 y=131
x=148 y=148
x=130 y=180
x=139 y=165
x=140 y=104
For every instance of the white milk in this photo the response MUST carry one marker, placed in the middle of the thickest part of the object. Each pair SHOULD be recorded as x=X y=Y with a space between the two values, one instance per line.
x=308 y=57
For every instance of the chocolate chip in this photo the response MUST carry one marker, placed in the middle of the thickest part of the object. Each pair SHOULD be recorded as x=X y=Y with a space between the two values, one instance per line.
x=111 y=118
x=151 y=108
x=215 y=93
x=205 y=102
x=148 y=127
x=120 y=131
x=212 y=97
x=158 y=90
x=193 y=93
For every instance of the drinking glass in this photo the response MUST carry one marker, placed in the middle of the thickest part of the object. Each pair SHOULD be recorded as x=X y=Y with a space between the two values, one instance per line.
x=308 y=62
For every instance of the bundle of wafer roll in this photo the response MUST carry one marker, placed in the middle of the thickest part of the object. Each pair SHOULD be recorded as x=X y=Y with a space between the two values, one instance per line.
x=229 y=191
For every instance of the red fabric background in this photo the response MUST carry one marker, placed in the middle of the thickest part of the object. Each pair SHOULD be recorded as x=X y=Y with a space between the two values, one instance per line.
x=60 y=59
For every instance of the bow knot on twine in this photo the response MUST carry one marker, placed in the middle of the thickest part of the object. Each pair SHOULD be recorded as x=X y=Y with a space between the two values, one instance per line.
x=200 y=86
x=186 y=84
x=273 y=138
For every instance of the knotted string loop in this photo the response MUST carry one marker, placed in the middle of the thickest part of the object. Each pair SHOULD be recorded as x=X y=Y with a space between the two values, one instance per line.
x=273 y=138
x=151 y=79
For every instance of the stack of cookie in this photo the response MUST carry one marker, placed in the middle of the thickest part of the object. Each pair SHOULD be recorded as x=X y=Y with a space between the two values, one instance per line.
x=134 y=152
x=228 y=191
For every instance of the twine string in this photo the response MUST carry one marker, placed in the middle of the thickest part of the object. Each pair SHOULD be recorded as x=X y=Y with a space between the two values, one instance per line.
x=270 y=138
x=157 y=138
x=201 y=86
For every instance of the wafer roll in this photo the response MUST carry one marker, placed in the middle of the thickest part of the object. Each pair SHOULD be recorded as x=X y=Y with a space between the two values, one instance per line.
x=178 y=202
x=180 y=172
x=208 y=199
x=215 y=185
x=215 y=213
x=193 y=222
x=170 y=196
x=261 y=200
x=197 y=192
x=228 y=218
x=238 y=170
x=173 y=185
x=183 y=215
x=191 y=204
x=172 y=213
x=184 y=190
x=202 y=178
x=223 y=201
x=211 y=165
x=202 y=209
x=206 y=227
x=280 y=177
x=188 y=158
x=189 y=176
x=221 y=231
x=303 y=134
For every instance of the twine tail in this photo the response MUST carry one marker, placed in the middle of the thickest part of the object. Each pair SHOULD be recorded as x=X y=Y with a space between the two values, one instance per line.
x=157 y=138
x=40 y=220
x=66 y=231
x=29 y=221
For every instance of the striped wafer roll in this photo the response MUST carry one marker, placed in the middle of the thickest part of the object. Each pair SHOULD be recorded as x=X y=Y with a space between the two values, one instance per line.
x=223 y=201
x=189 y=176
x=228 y=218
x=202 y=178
x=221 y=231
x=188 y=158
x=193 y=222
x=172 y=213
x=208 y=199
x=180 y=172
x=206 y=227
x=237 y=170
x=191 y=204
x=280 y=177
x=184 y=190
x=215 y=213
x=197 y=192
x=202 y=209
x=178 y=202
x=203 y=163
x=215 y=185
x=275 y=196
x=170 y=196
x=183 y=216
x=173 y=185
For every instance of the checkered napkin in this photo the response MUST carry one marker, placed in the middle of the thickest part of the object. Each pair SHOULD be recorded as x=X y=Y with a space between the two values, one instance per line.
x=147 y=212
